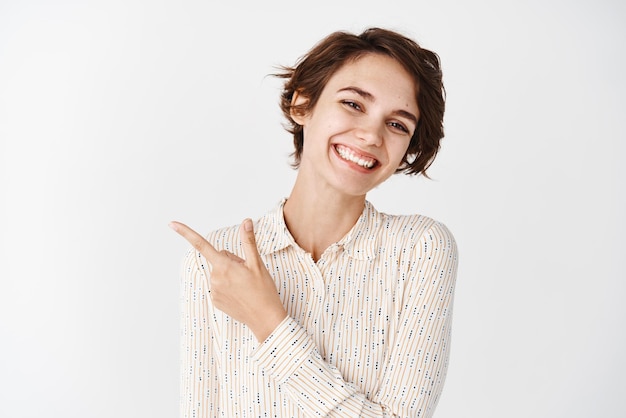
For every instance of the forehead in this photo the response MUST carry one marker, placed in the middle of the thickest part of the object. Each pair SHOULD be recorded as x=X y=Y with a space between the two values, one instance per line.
x=379 y=74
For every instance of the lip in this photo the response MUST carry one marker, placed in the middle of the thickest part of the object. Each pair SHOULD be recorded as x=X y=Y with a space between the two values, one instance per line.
x=359 y=152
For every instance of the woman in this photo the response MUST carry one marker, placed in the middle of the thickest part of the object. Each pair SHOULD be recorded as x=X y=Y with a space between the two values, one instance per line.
x=324 y=306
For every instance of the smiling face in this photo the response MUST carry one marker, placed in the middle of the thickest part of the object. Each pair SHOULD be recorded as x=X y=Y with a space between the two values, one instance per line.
x=359 y=130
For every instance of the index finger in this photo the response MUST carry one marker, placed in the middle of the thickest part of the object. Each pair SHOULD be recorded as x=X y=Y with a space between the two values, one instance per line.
x=196 y=240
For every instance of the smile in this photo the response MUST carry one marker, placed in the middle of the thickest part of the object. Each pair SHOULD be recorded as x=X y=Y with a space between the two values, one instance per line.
x=349 y=155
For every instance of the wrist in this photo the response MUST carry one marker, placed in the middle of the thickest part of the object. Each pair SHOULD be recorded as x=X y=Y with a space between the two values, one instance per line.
x=266 y=325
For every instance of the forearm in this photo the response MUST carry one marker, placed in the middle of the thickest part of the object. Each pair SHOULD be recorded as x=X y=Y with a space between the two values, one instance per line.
x=290 y=357
x=409 y=383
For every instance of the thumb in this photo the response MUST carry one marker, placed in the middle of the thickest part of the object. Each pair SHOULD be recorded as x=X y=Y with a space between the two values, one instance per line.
x=248 y=242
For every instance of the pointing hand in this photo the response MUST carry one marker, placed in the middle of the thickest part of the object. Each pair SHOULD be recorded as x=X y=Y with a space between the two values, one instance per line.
x=242 y=289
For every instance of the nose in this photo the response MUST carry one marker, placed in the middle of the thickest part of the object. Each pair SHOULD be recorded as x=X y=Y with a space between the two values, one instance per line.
x=371 y=132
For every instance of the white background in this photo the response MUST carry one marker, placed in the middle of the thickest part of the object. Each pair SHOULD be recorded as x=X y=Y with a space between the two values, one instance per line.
x=119 y=116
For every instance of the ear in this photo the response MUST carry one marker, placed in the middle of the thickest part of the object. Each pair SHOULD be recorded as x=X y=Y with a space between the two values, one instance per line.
x=296 y=101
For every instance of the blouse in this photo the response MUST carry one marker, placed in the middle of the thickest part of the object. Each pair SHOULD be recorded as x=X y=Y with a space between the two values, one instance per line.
x=367 y=332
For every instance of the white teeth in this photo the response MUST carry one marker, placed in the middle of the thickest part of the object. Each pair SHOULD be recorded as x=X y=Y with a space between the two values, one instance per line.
x=348 y=155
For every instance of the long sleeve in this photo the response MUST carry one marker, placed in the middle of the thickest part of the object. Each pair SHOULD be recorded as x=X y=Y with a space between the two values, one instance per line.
x=196 y=377
x=418 y=347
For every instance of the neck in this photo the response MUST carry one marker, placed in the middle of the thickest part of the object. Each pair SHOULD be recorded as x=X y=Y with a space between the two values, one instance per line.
x=318 y=218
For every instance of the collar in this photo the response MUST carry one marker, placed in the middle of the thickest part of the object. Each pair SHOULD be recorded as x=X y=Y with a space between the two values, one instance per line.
x=361 y=242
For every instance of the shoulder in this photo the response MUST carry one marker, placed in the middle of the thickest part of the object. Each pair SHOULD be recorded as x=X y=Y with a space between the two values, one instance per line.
x=418 y=246
x=413 y=229
x=225 y=238
x=194 y=263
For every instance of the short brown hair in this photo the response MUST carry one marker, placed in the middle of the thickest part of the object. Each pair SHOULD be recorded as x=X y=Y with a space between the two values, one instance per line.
x=312 y=71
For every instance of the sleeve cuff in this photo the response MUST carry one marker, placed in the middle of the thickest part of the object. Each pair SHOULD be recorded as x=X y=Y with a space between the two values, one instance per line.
x=282 y=353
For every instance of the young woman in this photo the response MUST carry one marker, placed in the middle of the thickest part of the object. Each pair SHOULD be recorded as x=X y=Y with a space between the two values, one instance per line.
x=324 y=306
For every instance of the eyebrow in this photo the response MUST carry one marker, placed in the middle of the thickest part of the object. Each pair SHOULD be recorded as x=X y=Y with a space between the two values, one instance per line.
x=369 y=96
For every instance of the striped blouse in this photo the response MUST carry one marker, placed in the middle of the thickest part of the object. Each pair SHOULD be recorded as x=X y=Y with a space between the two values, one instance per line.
x=367 y=335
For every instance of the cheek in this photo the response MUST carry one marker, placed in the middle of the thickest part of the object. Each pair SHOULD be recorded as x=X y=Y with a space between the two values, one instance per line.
x=397 y=152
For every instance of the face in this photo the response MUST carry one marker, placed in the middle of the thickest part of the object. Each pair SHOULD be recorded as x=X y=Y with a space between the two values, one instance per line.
x=359 y=130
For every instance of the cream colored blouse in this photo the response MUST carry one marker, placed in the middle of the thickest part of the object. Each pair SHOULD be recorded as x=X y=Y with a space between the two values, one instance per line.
x=368 y=331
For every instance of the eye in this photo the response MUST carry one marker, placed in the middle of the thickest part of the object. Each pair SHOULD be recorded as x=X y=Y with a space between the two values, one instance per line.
x=398 y=126
x=352 y=104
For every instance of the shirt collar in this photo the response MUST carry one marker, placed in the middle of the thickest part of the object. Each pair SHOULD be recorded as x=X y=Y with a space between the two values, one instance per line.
x=361 y=242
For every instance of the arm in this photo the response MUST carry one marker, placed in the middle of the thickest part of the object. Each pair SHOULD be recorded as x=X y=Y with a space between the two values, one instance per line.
x=196 y=348
x=419 y=348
